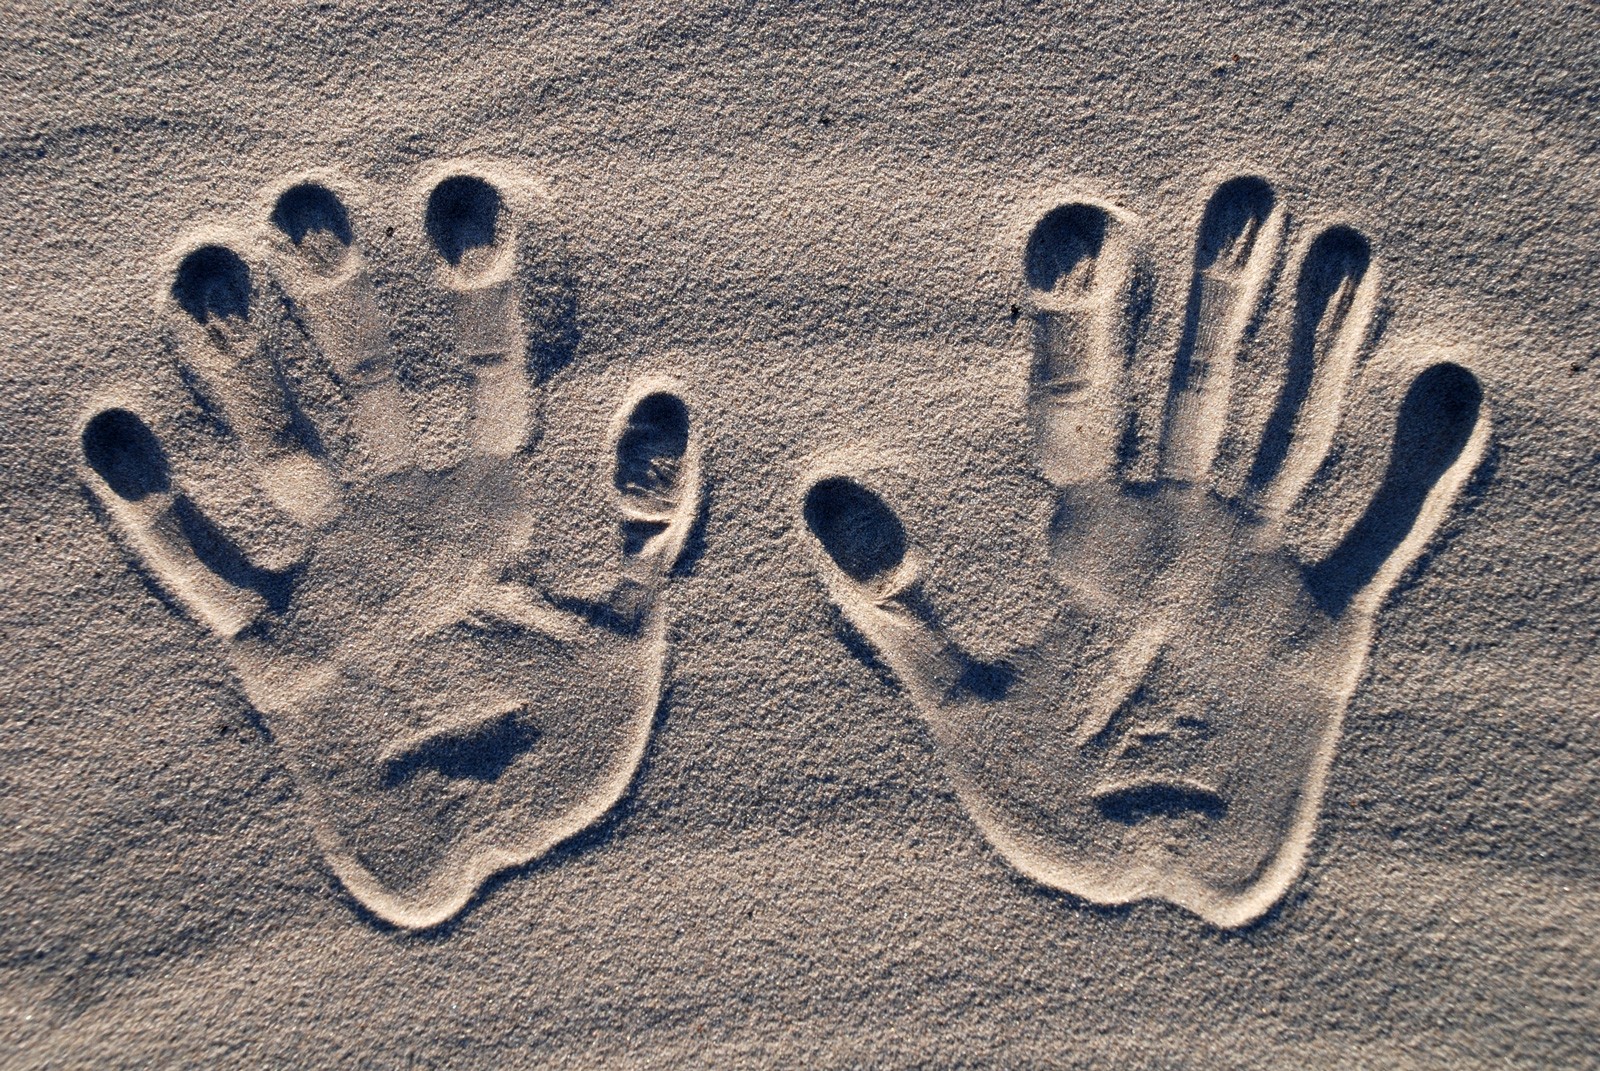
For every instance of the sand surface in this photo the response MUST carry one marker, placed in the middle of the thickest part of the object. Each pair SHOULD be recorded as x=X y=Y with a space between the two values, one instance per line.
x=969 y=535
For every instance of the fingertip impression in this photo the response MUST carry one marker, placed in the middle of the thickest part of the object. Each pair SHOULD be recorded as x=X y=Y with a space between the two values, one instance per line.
x=212 y=283
x=1437 y=419
x=1065 y=248
x=652 y=446
x=125 y=454
x=856 y=528
x=463 y=214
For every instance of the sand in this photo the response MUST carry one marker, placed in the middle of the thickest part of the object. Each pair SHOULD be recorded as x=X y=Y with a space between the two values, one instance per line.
x=957 y=536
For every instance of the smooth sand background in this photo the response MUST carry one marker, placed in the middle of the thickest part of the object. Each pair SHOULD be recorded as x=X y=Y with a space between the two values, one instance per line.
x=812 y=216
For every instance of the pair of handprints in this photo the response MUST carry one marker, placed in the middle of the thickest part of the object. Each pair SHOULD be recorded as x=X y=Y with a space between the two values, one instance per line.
x=1165 y=734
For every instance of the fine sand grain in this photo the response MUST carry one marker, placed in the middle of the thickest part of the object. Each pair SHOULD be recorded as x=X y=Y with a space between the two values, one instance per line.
x=956 y=535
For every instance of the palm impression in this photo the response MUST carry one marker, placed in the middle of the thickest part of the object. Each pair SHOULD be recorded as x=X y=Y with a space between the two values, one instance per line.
x=446 y=716
x=1168 y=732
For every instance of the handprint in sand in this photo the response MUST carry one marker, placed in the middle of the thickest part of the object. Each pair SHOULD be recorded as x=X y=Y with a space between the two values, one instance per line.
x=445 y=714
x=1168 y=731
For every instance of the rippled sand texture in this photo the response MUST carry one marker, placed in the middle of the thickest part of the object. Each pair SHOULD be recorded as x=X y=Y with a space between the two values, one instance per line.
x=800 y=536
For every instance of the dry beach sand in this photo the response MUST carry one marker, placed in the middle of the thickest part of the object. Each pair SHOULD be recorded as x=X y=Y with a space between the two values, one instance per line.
x=957 y=535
